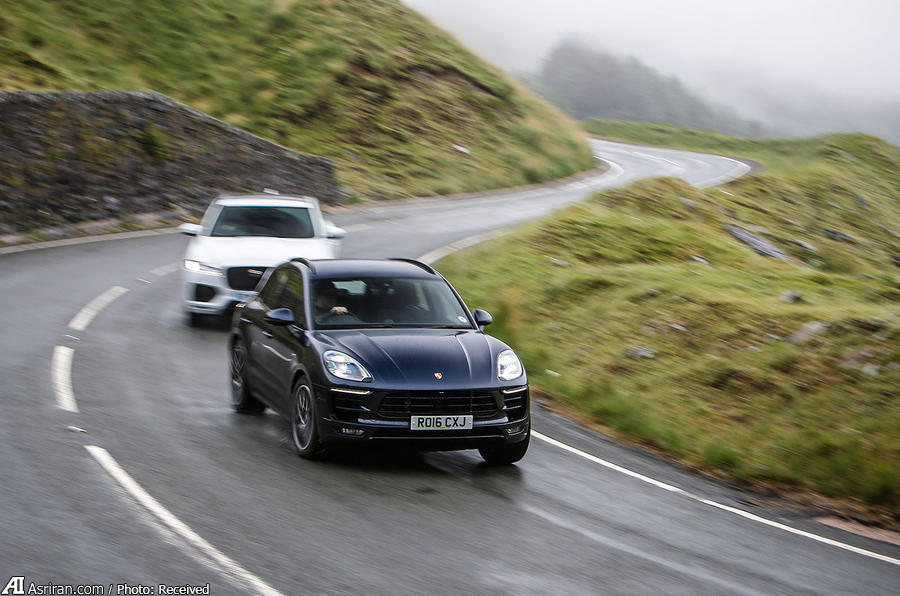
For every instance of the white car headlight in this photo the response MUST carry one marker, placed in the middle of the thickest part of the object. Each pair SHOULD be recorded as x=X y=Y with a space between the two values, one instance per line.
x=345 y=367
x=198 y=267
x=508 y=366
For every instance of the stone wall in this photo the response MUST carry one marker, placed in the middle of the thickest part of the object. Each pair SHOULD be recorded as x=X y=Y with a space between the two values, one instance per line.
x=74 y=157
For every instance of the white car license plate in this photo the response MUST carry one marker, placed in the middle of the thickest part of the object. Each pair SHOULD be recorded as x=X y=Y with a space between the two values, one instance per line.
x=440 y=422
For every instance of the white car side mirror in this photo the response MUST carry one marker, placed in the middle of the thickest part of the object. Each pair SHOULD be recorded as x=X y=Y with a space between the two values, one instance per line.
x=333 y=232
x=190 y=229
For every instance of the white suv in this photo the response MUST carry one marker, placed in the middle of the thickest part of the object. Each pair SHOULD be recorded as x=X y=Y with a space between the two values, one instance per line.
x=240 y=237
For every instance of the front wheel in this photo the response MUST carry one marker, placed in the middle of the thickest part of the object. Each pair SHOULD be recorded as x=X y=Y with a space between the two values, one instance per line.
x=509 y=453
x=242 y=399
x=304 y=430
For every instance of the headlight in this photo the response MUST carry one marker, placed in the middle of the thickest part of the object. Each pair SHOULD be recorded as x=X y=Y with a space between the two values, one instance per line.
x=344 y=367
x=508 y=366
x=198 y=267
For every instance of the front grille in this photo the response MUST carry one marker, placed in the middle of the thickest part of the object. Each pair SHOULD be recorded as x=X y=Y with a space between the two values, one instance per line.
x=403 y=404
x=203 y=293
x=245 y=278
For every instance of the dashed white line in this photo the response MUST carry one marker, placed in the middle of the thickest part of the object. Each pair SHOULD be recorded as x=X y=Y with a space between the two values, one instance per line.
x=172 y=525
x=84 y=317
x=61 y=377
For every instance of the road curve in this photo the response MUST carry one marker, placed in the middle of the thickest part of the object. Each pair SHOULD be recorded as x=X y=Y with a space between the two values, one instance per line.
x=151 y=393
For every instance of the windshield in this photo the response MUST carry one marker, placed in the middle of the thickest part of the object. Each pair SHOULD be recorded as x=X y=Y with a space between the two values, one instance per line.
x=280 y=222
x=387 y=302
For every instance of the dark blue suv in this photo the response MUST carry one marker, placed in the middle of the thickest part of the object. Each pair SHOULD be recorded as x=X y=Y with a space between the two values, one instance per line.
x=363 y=351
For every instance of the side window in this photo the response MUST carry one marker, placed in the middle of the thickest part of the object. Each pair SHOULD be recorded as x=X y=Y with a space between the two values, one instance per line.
x=292 y=297
x=272 y=293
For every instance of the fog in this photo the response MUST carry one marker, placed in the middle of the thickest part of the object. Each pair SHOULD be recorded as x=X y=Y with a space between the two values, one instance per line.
x=741 y=53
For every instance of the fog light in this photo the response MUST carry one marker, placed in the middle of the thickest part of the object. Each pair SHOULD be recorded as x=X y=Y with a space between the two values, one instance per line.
x=516 y=428
x=351 y=431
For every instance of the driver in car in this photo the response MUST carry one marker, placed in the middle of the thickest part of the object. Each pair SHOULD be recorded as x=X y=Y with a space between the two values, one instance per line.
x=327 y=302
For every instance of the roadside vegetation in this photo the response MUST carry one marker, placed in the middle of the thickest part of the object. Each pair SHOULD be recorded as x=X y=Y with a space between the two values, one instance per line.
x=638 y=311
x=403 y=108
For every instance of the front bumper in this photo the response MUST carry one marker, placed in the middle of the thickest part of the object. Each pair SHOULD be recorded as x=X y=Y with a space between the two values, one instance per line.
x=367 y=426
x=217 y=296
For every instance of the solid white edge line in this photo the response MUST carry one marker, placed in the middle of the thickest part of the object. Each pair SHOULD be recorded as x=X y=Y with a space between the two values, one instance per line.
x=222 y=561
x=735 y=510
x=61 y=377
x=439 y=253
x=84 y=317
x=607 y=464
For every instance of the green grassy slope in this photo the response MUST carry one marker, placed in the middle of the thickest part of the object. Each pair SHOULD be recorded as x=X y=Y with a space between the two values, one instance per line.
x=586 y=294
x=368 y=82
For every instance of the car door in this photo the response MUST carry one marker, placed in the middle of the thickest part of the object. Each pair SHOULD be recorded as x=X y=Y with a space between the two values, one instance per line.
x=260 y=336
x=284 y=346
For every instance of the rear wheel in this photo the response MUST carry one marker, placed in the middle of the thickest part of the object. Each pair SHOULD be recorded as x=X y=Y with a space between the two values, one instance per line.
x=510 y=453
x=304 y=430
x=242 y=399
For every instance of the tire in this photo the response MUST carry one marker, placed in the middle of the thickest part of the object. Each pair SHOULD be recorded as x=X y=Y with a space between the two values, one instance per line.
x=304 y=430
x=503 y=455
x=242 y=399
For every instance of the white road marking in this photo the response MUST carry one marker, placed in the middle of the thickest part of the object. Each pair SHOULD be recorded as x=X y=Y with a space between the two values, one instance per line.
x=166 y=269
x=606 y=464
x=6 y=250
x=172 y=525
x=61 y=377
x=84 y=317
x=443 y=251
x=737 y=171
x=144 y=281
x=735 y=510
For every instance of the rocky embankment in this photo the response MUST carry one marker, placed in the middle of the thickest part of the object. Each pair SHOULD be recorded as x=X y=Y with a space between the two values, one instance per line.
x=69 y=158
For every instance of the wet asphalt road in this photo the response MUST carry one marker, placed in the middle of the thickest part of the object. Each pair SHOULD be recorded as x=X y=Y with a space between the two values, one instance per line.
x=153 y=393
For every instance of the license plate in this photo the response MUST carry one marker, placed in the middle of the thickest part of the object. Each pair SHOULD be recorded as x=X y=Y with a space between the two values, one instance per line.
x=440 y=422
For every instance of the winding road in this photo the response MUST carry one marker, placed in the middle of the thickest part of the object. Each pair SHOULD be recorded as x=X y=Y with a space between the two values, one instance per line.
x=121 y=461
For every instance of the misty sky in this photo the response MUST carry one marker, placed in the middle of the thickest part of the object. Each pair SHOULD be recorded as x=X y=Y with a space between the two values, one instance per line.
x=843 y=47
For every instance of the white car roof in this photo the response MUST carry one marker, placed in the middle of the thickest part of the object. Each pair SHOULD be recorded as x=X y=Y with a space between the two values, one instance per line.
x=267 y=201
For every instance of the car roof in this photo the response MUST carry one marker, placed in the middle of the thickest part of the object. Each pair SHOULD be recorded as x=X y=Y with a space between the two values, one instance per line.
x=350 y=268
x=266 y=200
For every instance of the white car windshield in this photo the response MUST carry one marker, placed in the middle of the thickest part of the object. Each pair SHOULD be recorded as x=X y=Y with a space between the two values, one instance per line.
x=280 y=222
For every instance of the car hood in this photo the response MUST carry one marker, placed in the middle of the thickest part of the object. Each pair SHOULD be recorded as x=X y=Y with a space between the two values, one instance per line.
x=409 y=359
x=257 y=251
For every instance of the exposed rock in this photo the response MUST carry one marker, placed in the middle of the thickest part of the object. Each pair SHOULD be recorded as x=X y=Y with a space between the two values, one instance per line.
x=861 y=202
x=870 y=369
x=147 y=151
x=804 y=245
x=678 y=327
x=689 y=204
x=700 y=260
x=808 y=331
x=772 y=337
x=560 y=262
x=552 y=373
x=639 y=352
x=763 y=247
x=791 y=297
x=838 y=236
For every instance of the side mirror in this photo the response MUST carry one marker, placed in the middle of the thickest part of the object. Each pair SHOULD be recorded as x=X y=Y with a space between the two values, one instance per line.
x=280 y=316
x=333 y=232
x=189 y=229
x=482 y=317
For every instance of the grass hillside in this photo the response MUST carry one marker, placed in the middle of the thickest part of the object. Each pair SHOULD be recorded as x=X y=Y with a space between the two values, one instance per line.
x=368 y=82
x=640 y=312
